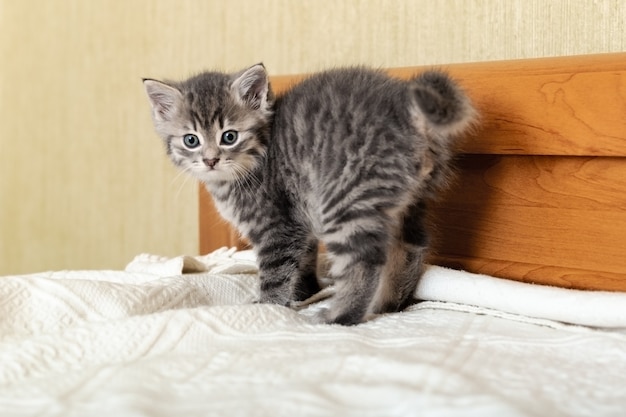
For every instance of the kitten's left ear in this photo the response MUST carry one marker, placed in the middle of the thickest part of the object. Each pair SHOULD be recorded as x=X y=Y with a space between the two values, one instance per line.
x=252 y=88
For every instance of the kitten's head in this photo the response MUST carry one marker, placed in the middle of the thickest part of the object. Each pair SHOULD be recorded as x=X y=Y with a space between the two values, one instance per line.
x=214 y=125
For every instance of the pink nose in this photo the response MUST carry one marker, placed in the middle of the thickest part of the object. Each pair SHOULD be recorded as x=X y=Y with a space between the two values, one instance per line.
x=211 y=162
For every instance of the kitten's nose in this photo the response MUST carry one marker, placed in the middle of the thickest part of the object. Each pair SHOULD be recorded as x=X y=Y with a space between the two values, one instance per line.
x=211 y=162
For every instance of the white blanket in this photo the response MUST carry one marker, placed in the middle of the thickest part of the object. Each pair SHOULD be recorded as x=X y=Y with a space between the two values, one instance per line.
x=152 y=341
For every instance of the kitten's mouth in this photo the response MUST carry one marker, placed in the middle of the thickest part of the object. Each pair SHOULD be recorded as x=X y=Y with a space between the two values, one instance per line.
x=213 y=172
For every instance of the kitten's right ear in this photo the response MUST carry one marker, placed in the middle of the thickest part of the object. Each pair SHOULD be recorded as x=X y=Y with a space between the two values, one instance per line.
x=164 y=99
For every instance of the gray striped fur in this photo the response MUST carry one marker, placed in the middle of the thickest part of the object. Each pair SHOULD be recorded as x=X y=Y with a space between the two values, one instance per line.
x=348 y=157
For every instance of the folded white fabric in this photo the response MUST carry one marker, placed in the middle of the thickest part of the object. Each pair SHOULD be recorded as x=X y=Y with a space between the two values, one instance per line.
x=588 y=308
x=222 y=261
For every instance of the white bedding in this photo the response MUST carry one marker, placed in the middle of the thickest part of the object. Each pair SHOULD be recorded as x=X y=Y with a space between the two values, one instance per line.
x=151 y=341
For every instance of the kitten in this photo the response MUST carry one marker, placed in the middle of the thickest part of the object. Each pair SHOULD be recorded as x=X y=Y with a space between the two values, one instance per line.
x=348 y=157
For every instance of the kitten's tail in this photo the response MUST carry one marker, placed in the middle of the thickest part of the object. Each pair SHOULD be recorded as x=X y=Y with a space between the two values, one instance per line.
x=444 y=104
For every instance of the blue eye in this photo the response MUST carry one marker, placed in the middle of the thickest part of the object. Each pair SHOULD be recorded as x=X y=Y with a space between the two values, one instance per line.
x=191 y=141
x=230 y=137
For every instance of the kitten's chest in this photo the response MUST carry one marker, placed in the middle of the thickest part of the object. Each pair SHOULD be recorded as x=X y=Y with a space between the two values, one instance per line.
x=226 y=210
x=243 y=208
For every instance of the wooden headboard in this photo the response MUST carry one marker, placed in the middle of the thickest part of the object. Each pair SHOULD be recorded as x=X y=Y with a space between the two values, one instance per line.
x=541 y=191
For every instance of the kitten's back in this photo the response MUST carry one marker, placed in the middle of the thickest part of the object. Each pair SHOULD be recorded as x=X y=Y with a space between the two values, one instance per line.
x=340 y=115
x=441 y=102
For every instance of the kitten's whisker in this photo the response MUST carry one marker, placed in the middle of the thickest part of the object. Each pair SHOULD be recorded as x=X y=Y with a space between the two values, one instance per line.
x=185 y=174
x=180 y=189
x=239 y=177
x=245 y=180
x=249 y=177
x=181 y=172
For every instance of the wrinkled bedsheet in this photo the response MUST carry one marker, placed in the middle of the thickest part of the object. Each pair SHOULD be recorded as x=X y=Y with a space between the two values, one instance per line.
x=154 y=341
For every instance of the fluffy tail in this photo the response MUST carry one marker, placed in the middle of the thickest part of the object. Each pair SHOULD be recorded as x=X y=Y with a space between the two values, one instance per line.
x=443 y=103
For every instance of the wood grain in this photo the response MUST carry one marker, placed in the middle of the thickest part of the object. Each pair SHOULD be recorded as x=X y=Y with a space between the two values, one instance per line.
x=566 y=215
x=536 y=274
x=541 y=189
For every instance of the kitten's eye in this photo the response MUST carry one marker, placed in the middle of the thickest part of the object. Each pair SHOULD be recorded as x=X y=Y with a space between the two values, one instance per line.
x=191 y=141
x=230 y=137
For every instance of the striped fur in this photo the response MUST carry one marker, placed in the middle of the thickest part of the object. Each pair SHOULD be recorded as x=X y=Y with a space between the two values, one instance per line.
x=349 y=158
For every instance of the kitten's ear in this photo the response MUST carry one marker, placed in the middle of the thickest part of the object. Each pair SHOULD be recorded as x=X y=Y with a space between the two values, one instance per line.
x=164 y=99
x=252 y=87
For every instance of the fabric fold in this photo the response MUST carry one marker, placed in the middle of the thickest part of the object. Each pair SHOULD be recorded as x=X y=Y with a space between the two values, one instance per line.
x=586 y=308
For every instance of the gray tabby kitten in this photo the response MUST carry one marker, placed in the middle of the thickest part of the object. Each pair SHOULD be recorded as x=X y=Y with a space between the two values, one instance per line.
x=348 y=157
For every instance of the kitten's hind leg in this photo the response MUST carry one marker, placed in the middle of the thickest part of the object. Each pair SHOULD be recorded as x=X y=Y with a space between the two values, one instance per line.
x=405 y=263
x=306 y=283
x=357 y=261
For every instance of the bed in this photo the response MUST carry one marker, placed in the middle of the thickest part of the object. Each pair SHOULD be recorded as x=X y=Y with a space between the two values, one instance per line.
x=524 y=301
x=541 y=190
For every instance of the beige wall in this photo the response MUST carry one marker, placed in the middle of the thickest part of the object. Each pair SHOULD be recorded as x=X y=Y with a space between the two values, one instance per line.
x=84 y=182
